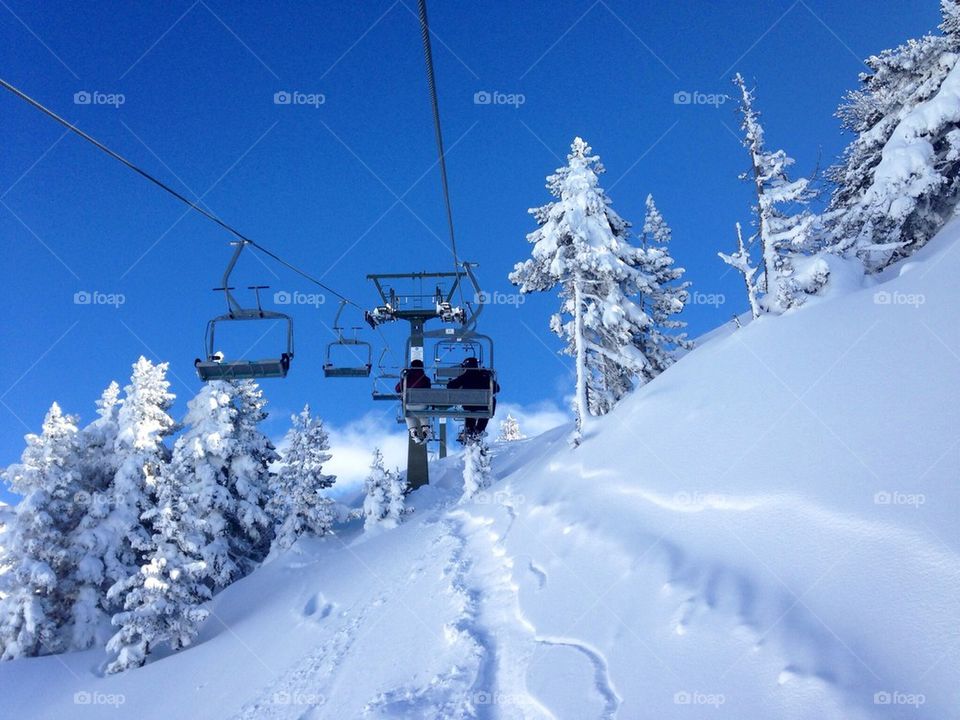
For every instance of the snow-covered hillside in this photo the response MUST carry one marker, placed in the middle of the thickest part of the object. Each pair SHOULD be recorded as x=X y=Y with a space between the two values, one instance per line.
x=768 y=530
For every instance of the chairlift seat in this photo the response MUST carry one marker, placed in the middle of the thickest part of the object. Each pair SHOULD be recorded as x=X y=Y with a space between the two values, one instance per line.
x=332 y=371
x=441 y=402
x=243 y=369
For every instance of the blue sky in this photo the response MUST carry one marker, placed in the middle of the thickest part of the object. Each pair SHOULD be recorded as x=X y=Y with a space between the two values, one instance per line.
x=349 y=186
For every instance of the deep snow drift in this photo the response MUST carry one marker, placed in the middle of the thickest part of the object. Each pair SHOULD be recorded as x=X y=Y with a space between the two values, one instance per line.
x=768 y=530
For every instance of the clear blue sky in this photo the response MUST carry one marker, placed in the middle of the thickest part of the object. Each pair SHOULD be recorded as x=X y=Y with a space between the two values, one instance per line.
x=320 y=184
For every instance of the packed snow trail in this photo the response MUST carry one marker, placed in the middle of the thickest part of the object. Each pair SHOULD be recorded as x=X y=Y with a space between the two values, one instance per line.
x=766 y=530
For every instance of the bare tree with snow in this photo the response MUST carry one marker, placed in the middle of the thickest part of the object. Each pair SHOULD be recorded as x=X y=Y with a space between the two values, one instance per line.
x=740 y=261
x=785 y=237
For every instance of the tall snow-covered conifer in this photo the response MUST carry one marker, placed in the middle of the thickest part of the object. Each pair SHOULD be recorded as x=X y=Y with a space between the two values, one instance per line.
x=250 y=480
x=39 y=587
x=899 y=179
x=139 y=453
x=298 y=500
x=581 y=248
x=666 y=297
x=385 y=495
x=162 y=602
x=95 y=539
x=189 y=554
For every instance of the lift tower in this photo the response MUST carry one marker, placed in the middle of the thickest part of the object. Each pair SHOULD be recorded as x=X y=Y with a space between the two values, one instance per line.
x=422 y=297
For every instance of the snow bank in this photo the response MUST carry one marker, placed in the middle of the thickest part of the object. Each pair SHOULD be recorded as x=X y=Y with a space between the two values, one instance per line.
x=768 y=530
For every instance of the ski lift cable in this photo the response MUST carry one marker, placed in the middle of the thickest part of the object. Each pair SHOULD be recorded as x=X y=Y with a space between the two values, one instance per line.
x=163 y=186
x=434 y=102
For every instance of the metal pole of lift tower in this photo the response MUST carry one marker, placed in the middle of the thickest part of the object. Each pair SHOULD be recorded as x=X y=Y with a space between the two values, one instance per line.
x=418 y=470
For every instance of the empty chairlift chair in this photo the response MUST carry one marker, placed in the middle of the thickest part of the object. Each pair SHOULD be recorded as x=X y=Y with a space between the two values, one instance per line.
x=214 y=366
x=361 y=351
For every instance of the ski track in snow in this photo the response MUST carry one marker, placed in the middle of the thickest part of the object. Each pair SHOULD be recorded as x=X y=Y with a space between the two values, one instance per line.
x=602 y=680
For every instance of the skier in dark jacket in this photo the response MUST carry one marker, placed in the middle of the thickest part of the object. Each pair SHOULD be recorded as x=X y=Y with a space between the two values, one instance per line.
x=415 y=377
x=474 y=377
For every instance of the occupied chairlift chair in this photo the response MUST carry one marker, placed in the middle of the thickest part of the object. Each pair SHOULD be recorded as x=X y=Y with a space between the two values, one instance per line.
x=441 y=402
x=361 y=370
x=215 y=366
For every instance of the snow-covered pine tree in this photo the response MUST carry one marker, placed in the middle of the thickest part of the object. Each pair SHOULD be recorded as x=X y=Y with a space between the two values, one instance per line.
x=200 y=468
x=510 y=430
x=476 y=469
x=385 y=495
x=784 y=237
x=666 y=297
x=299 y=504
x=162 y=602
x=189 y=554
x=250 y=480
x=95 y=537
x=581 y=248
x=899 y=179
x=39 y=586
x=740 y=261
x=139 y=453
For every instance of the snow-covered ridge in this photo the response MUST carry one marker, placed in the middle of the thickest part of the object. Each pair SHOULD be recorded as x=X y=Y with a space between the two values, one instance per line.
x=766 y=530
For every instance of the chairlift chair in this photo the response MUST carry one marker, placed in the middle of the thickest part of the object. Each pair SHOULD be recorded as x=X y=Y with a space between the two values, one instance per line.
x=214 y=366
x=442 y=402
x=385 y=381
x=363 y=369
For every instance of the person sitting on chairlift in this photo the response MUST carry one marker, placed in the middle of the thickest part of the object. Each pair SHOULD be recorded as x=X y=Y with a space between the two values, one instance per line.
x=474 y=377
x=415 y=377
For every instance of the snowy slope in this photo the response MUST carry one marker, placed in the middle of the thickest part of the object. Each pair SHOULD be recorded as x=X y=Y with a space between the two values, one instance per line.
x=768 y=530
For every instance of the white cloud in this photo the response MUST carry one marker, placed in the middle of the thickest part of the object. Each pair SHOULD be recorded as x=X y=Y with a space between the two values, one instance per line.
x=533 y=419
x=352 y=447
x=352 y=444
